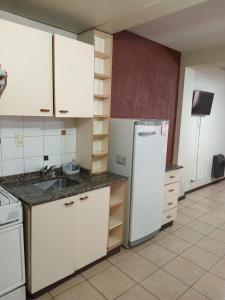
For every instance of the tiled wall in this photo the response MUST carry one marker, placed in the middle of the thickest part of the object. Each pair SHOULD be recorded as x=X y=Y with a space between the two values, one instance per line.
x=42 y=136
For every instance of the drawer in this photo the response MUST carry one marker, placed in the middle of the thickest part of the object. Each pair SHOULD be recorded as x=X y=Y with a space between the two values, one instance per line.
x=171 y=190
x=170 y=202
x=169 y=216
x=172 y=176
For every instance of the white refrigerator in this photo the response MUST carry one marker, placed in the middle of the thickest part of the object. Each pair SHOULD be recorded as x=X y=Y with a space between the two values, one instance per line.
x=138 y=150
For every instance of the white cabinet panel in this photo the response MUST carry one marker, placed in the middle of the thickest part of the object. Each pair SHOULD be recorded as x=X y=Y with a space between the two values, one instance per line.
x=92 y=218
x=52 y=242
x=73 y=77
x=26 y=55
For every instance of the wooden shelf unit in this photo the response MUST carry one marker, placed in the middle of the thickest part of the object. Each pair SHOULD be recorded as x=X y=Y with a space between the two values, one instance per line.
x=116 y=214
x=94 y=155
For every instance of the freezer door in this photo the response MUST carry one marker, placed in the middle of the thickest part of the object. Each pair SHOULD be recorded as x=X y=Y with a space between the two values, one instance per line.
x=11 y=259
x=149 y=159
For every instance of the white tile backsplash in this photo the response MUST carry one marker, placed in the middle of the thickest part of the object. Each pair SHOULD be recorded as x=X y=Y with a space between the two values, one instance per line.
x=42 y=136
x=10 y=150
x=33 y=146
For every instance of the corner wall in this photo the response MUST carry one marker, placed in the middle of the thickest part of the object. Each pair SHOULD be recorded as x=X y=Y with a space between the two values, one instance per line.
x=145 y=79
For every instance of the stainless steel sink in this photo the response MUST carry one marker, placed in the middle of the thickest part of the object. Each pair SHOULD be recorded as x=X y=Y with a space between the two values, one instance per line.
x=56 y=183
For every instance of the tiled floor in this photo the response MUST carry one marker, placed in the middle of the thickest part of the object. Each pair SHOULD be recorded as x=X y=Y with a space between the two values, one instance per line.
x=185 y=261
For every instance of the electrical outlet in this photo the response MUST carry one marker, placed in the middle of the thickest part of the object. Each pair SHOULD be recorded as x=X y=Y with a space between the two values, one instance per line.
x=19 y=140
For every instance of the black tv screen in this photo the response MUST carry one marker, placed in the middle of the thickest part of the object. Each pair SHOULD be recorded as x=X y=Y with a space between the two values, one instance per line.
x=202 y=102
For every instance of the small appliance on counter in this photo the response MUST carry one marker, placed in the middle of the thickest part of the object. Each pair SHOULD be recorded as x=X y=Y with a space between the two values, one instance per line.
x=138 y=151
x=71 y=168
x=12 y=279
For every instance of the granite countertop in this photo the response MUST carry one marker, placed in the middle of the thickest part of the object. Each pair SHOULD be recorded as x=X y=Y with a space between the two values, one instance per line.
x=172 y=167
x=23 y=188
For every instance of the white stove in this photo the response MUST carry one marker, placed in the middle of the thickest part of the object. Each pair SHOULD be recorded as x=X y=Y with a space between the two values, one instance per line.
x=10 y=209
x=12 y=277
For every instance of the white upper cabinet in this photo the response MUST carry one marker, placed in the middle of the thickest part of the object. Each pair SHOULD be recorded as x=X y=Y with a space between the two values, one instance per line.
x=26 y=55
x=74 y=77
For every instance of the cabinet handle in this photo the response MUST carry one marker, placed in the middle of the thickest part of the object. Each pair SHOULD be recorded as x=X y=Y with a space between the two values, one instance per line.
x=168 y=217
x=172 y=176
x=171 y=190
x=63 y=111
x=69 y=203
x=44 y=110
x=170 y=203
x=84 y=198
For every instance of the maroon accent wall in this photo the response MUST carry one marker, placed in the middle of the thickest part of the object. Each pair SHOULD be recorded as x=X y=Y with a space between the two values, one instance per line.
x=145 y=77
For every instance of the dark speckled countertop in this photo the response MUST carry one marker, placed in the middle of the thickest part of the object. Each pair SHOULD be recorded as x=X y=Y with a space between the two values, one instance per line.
x=22 y=186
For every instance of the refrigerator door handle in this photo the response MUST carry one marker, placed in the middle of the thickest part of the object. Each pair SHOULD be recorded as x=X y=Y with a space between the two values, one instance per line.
x=147 y=133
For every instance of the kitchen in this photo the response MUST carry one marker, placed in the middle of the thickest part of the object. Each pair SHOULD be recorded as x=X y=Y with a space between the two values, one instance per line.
x=80 y=161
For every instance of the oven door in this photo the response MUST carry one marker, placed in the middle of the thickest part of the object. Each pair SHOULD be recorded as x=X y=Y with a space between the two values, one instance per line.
x=12 y=268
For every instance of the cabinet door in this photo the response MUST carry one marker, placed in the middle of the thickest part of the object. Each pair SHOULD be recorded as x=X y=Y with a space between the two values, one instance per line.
x=74 y=77
x=92 y=218
x=52 y=242
x=26 y=55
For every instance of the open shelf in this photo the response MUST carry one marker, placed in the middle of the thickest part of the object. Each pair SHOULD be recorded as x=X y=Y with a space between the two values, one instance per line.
x=100 y=126
x=101 y=76
x=101 y=97
x=114 y=201
x=113 y=242
x=101 y=116
x=99 y=154
x=101 y=55
x=100 y=135
x=99 y=164
x=114 y=222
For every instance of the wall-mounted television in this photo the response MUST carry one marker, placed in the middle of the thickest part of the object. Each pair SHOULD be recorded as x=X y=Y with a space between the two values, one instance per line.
x=202 y=103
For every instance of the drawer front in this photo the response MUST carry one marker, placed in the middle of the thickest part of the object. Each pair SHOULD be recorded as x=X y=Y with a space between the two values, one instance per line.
x=171 y=190
x=172 y=176
x=169 y=216
x=170 y=202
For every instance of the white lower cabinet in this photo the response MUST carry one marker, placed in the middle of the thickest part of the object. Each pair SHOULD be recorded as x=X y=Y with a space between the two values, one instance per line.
x=64 y=236
x=92 y=219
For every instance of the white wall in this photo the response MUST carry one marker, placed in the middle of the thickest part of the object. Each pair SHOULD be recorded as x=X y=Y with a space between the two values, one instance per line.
x=42 y=136
x=212 y=128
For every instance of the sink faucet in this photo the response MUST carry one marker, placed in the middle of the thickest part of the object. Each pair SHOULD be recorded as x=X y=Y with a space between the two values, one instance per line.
x=51 y=171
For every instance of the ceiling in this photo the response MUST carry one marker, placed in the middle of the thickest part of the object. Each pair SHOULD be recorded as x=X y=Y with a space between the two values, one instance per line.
x=200 y=26
x=108 y=15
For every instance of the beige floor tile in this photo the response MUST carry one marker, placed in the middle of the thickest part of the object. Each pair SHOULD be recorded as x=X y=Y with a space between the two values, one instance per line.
x=212 y=245
x=210 y=202
x=202 y=207
x=96 y=269
x=191 y=294
x=218 y=235
x=222 y=227
x=124 y=253
x=200 y=257
x=136 y=267
x=184 y=270
x=183 y=220
x=142 y=245
x=193 y=213
x=205 y=192
x=219 y=268
x=211 y=286
x=174 y=244
x=83 y=291
x=218 y=213
x=164 y=286
x=212 y=220
x=173 y=228
x=157 y=254
x=111 y=283
x=45 y=296
x=137 y=293
x=193 y=197
x=218 y=197
x=159 y=236
x=188 y=235
x=66 y=285
x=201 y=227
